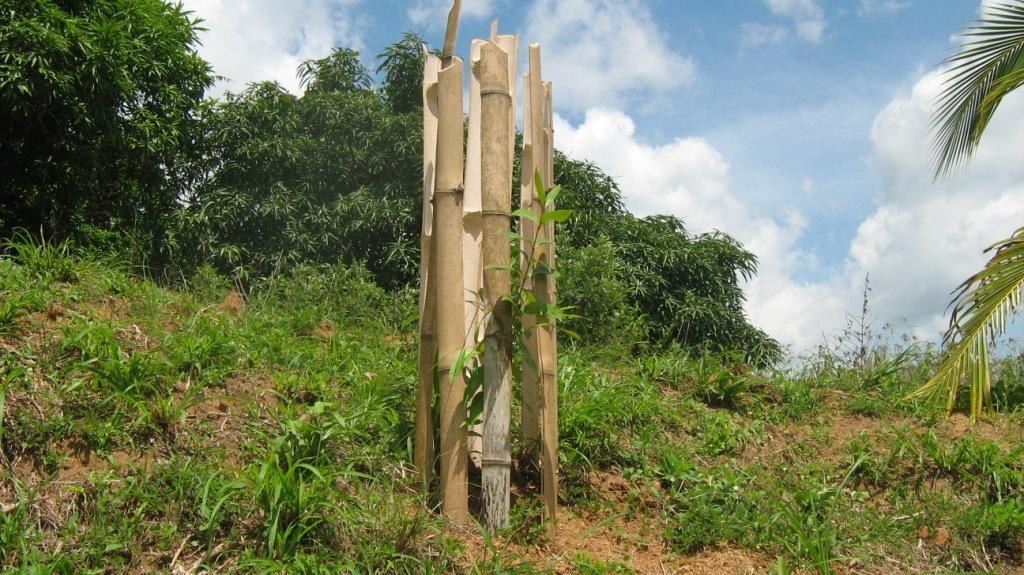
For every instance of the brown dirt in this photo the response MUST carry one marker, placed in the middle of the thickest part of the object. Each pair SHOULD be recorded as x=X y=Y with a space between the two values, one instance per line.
x=232 y=304
x=223 y=407
x=617 y=538
x=626 y=530
x=1004 y=431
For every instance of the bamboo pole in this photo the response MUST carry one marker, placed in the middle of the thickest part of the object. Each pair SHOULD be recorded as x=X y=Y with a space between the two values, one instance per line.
x=424 y=437
x=496 y=184
x=531 y=404
x=544 y=288
x=450 y=323
x=451 y=33
x=472 y=231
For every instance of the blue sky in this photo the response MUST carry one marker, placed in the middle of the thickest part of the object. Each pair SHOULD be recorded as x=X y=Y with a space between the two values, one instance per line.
x=799 y=126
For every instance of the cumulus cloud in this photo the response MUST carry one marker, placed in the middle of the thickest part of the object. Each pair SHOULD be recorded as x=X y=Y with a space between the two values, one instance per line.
x=871 y=7
x=919 y=243
x=604 y=52
x=253 y=40
x=753 y=35
x=434 y=13
x=807 y=16
x=689 y=178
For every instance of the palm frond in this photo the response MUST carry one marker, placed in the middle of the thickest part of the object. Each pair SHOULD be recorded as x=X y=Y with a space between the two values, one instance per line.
x=988 y=67
x=981 y=306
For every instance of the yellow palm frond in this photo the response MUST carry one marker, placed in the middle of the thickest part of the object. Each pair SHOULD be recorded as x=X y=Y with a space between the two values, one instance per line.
x=981 y=306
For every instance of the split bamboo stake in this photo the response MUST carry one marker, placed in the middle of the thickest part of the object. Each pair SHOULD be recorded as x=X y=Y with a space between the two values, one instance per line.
x=496 y=185
x=451 y=33
x=531 y=403
x=472 y=230
x=450 y=323
x=548 y=369
x=424 y=439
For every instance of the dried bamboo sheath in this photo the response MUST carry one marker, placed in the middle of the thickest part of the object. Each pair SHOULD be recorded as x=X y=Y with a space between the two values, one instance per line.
x=424 y=439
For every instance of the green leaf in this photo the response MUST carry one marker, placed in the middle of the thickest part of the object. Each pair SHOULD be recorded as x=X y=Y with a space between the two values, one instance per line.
x=526 y=213
x=557 y=216
x=987 y=68
x=552 y=195
x=538 y=186
x=980 y=310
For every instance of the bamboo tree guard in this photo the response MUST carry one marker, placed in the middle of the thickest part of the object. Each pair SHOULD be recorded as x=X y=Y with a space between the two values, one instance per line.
x=472 y=230
x=530 y=408
x=450 y=321
x=465 y=252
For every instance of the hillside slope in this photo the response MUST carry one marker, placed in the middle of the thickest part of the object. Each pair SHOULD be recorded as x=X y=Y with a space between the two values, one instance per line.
x=151 y=430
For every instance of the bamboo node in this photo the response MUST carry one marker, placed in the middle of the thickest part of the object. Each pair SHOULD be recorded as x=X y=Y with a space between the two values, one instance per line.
x=496 y=213
x=496 y=92
x=504 y=462
x=454 y=190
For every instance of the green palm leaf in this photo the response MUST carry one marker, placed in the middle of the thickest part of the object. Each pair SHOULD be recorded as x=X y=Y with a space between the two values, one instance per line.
x=988 y=67
x=981 y=306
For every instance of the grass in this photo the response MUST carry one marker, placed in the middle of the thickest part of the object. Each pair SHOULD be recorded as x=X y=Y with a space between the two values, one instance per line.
x=151 y=429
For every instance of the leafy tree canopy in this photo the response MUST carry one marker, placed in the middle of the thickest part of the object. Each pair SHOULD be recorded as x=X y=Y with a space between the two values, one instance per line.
x=336 y=174
x=98 y=102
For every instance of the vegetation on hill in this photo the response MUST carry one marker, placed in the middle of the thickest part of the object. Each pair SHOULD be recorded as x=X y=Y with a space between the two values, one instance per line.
x=154 y=430
x=207 y=350
x=264 y=181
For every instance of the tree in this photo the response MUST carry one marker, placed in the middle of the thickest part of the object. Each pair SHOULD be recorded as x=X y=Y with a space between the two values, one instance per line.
x=333 y=174
x=648 y=278
x=98 y=113
x=402 y=66
x=989 y=66
x=336 y=173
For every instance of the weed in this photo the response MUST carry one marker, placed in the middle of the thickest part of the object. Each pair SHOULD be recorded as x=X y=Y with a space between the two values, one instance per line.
x=720 y=382
x=43 y=259
x=808 y=531
x=798 y=397
x=525 y=525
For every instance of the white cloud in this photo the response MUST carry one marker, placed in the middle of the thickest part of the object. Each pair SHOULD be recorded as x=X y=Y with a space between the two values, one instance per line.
x=689 y=178
x=604 y=52
x=923 y=238
x=870 y=7
x=921 y=241
x=807 y=15
x=434 y=13
x=753 y=35
x=254 y=40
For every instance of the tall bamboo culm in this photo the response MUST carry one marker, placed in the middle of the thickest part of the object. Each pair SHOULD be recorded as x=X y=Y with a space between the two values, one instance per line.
x=450 y=322
x=496 y=180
